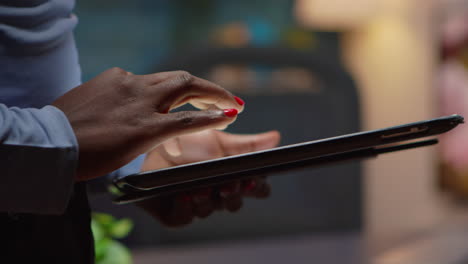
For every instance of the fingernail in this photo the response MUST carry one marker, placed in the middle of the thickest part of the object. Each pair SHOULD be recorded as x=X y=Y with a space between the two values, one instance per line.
x=250 y=186
x=230 y=112
x=239 y=101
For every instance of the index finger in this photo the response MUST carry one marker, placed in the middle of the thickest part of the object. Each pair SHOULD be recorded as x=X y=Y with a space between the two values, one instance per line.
x=204 y=94
x=182 y=87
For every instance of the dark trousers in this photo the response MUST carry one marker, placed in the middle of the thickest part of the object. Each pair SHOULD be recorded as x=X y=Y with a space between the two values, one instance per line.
x=67 y=238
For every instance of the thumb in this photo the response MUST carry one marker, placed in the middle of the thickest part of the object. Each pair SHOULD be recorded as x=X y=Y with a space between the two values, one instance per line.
x=238 y=144
x=184 y=122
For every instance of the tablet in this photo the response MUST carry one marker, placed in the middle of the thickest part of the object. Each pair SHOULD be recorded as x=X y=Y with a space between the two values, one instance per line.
x=321 y=152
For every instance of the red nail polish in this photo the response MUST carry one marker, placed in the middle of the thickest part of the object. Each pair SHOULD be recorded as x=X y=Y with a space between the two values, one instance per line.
x=230 y=112
x=239 y=101
x=250 y=186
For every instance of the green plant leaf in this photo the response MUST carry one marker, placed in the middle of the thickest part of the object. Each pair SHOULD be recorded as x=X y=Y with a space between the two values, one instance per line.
x=114 y=190
x=105 y=222
x=105 y=227
x=116 y=253
x=98 y=233
x=101 y=248
x=103 y=219
x=121 y=228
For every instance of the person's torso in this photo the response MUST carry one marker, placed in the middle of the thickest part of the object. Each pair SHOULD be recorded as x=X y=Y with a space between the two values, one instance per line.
x=38 y=57
x=38 y=63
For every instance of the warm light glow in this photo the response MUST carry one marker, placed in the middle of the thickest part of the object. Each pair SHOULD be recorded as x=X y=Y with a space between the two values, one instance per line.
x=388 y=46
x=233 y=35
x=336 y=14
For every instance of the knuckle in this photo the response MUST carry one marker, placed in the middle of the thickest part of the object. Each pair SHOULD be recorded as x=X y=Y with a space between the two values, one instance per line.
x=184 y=78
x=117 y=71
x=126 y=82
x=184 y=119
x=252 y=146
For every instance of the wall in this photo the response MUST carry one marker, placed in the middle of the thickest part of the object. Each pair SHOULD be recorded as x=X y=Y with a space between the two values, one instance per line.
x=392 y=54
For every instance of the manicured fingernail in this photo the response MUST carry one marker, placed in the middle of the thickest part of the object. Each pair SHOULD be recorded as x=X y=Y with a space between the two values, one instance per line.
x=230 y=112
x=239 y=101
x=250 y=186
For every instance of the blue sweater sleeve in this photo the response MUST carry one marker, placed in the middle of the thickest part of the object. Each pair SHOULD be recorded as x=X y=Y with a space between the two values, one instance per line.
x=38 y=159
x=38 y=62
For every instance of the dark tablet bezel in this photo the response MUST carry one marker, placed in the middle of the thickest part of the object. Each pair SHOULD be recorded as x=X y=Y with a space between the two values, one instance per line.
x=130 y=194
x=287 y=154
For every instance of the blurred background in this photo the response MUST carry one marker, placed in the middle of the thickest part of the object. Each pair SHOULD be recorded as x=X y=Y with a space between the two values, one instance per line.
x=322 y=68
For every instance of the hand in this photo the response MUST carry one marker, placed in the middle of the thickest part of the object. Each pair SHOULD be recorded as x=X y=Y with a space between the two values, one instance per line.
x=180 y=209
x=118 y=115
